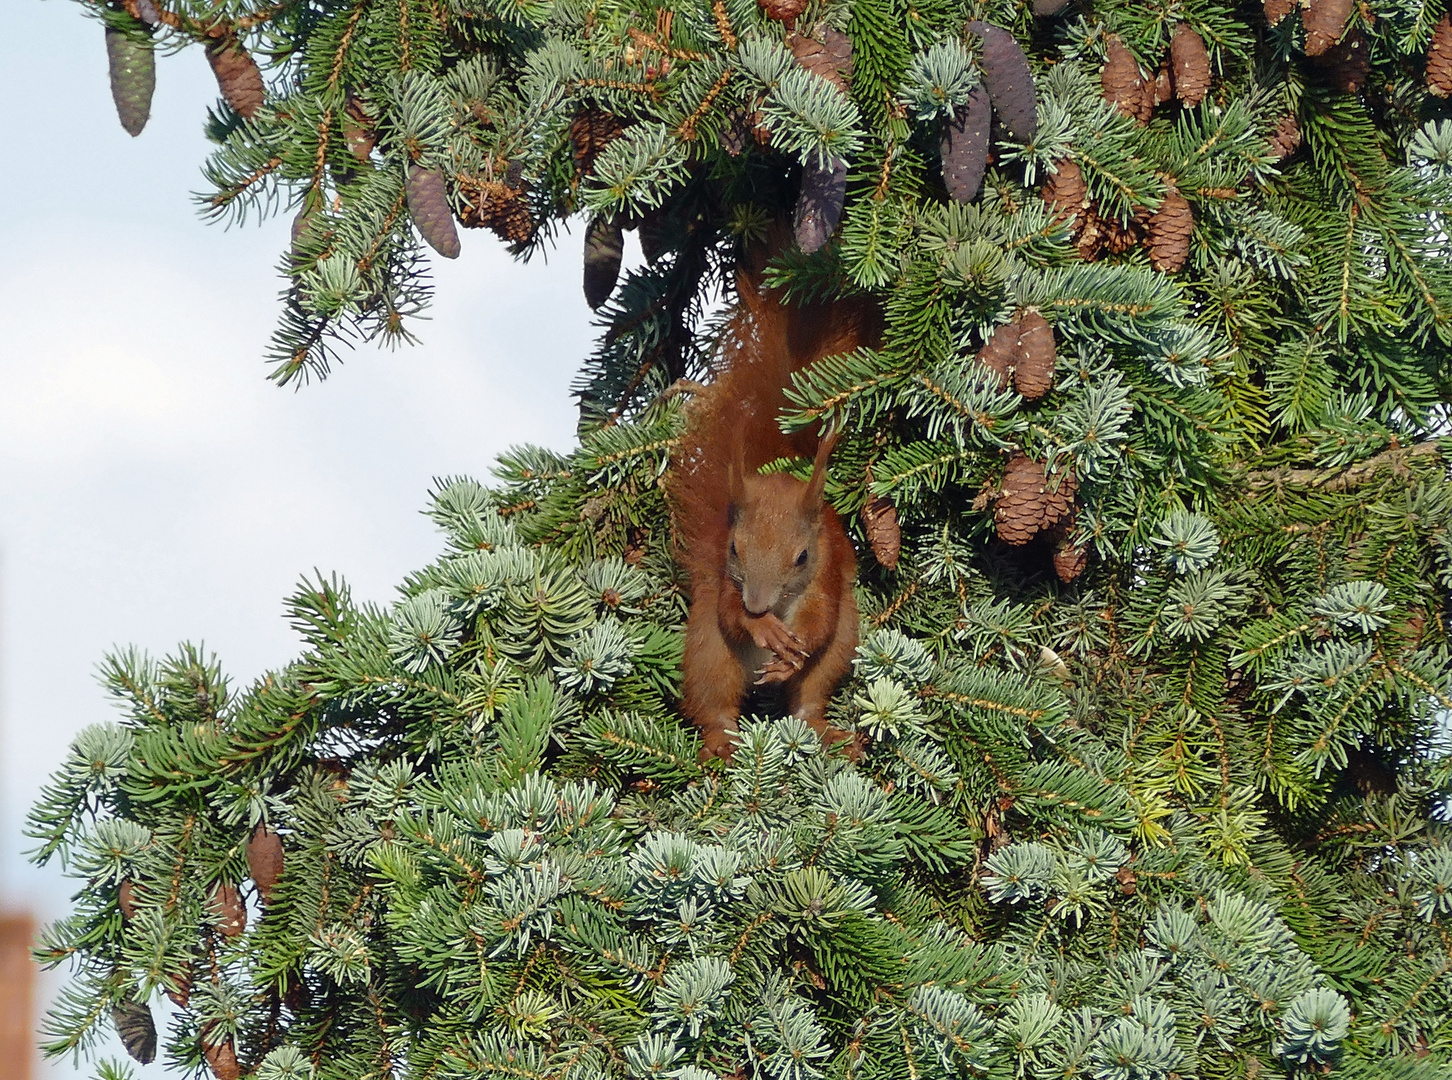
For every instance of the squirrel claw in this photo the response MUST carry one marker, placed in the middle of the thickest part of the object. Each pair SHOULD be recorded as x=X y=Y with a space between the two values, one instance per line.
x=779 y=670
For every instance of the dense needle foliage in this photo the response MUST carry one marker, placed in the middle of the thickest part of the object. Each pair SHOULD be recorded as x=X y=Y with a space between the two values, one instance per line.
x=1160 y=792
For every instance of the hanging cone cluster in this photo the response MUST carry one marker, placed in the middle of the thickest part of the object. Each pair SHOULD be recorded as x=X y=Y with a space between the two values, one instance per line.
x=1347 y=64
x=1191 y=65
x=1029 y=502
x=226 y=907
x=358 y=129
x=132 y=65
x=1285 y=140
x=1276 y=10
x=1022 y=351
x=264 y=860
x=965 y=146
x=879 y=522
x=428 y=204
x=1325 y=21
x=137 y=1030
x=1069 y=559
x=830 y=56
x=1123 y=84
x=1439 y=59
x=591 y=131
x=499 y=206
x=1169 y=233
x=604 y=247
x=238 y=76
x=1009 y=82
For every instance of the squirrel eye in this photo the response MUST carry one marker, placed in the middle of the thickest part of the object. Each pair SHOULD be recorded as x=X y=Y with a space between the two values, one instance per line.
x=802 y=558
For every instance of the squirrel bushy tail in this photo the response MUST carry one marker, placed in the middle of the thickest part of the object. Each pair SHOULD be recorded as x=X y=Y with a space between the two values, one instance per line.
x=766 y=342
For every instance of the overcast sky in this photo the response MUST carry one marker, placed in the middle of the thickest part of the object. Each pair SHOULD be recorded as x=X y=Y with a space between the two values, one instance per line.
x=154 y=487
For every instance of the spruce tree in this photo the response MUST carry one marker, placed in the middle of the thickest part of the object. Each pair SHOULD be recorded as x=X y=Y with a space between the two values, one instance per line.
x=1151 y=464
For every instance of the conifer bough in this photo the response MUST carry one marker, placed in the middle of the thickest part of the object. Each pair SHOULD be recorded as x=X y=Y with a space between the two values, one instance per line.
x=1154 y=667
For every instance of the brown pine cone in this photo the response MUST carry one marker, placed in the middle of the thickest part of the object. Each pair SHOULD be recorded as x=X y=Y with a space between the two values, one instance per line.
x=1000 y=352
x=831 y=58
x=1029 y=501
x=1325 y=21
x=964 y=146
x=1164 y=84
x=1169 y=232
x=879 y=521
x=1276 y=10
x=226 y=907
x=1069 y=559
x=1285 y=140
x=782 y=10
x=1065 y=191
x=222 y=1059
x=137 y=1029
x=358 y=130
x=238 y=75
x=126 y=899
x=1090 y=234
x=591 y=131
x=1439 y=59
x=819 y=204
x=264 y=860
x=1009 y=81
x=1045 y=8
x=428 y=205
x=1192 y=65
x=1117 y=238
x=1347 y=64
x=1033 y=371
x=497 y=206
x=1123 y=84
x=604 y=246
x=182 y=993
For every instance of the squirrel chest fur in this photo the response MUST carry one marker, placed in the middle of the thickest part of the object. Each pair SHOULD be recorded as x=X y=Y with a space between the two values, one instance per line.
x=771 y=568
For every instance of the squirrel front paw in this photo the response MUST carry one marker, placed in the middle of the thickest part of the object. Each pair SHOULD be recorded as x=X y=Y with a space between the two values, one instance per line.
x=772 y=634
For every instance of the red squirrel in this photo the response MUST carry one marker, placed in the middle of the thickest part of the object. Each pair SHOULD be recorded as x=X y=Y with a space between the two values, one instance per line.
x=771 y=568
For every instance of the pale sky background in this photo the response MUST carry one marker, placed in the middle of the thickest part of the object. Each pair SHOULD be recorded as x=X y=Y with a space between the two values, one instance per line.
x=154 y=487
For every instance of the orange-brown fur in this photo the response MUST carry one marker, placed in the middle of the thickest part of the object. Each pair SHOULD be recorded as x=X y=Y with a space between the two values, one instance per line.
x=802 y=629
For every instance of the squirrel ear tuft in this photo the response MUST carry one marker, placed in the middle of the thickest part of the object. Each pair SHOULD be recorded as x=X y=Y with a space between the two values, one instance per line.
x=817 y=485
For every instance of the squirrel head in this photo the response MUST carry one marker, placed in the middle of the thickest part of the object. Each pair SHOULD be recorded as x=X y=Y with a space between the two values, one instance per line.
x=774 y=530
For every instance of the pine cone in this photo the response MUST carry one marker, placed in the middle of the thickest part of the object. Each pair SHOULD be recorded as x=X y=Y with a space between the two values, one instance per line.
x=1276 y=10
x=137 y=1030
x=264 y=860
x=655 y=233
x=1348 y=64
x=126 y=899
x=358 y=130
x=226 y=907
x=831 y=58
x=965 y=146
x=133 y=78
x=1324 y=20
x=1033 y=371
x=296 y=996
x=1069 y=559
x=1065 y=191
x=1285 y=140
x=222 y=1059
x=498 y=206
x=1009 y=82
x=1046 y=8
x=1192 y=65
x=183 y=992
x=1029 y=501
x=1169 y=233
x=879 y=521
x=1164 y=87
x=1000 y=352
x=782 y=10
x=819 y=205
x=428 y=203
x=1439 y=59
x=143 y=10
x=591 y=131
x=238 y=75
x=1123 y=84
x=604 y=246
